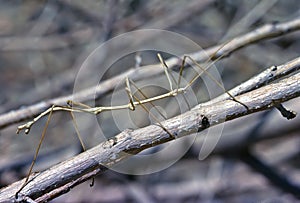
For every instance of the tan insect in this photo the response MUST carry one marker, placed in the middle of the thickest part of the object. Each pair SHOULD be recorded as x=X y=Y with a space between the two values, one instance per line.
x=134 y=101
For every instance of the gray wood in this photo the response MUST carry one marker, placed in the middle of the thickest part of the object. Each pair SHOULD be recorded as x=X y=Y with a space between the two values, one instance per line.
x=57 y=180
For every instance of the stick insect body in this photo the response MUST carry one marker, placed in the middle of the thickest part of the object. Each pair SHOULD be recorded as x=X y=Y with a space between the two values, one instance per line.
x=134 y=101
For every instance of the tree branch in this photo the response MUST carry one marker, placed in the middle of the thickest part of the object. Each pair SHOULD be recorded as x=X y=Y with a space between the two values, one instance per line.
x=265 y=32
x=271 y=173
x=60 y=178
x=271 y=74
x=46 y=43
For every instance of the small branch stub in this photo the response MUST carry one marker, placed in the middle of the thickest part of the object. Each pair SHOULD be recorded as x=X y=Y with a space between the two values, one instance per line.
x=288 y=114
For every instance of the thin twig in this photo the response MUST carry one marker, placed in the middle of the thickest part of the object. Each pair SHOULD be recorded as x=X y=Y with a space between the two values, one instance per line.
x=46 y=43
x=269 y=75
x=265 y=32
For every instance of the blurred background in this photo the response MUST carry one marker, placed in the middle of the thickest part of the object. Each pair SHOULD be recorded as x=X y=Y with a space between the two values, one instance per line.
x=43 y=45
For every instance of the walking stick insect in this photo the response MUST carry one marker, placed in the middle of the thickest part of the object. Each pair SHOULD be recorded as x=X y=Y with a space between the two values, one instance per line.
x=134 y=101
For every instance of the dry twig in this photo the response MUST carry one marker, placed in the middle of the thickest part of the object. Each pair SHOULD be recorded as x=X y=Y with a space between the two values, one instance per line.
x=46 y=43
x=265 y=32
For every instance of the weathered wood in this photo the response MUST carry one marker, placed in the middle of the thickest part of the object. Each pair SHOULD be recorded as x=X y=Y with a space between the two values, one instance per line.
x=60 y=178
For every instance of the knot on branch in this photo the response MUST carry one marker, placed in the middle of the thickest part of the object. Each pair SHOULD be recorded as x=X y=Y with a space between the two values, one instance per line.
x=204 y=123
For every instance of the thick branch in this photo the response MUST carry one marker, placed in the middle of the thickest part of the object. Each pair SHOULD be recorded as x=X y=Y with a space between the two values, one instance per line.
x=265 y=32
x=60 y=178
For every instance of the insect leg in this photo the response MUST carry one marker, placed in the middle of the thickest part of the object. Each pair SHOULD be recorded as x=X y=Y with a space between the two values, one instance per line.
x=37 y=152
